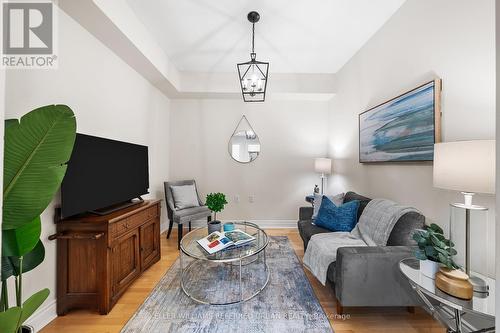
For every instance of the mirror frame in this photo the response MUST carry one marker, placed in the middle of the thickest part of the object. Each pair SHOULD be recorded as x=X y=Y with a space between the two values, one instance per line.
x=232 y=135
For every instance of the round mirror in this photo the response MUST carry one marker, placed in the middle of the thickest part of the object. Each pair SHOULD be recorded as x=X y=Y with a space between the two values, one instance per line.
x=244 y=144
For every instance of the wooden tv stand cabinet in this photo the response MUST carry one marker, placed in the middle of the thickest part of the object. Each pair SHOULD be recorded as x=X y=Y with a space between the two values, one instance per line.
x=98 y=257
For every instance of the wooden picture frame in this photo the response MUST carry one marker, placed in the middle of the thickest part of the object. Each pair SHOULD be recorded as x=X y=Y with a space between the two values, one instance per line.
x=404 y=128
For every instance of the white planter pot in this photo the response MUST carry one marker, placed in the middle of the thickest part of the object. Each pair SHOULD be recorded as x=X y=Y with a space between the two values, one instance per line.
x=429 y=268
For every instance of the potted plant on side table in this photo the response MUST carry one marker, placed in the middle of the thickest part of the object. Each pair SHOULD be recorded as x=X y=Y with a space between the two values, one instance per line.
x=436 y=255
x=434 y=250
x=215 y=202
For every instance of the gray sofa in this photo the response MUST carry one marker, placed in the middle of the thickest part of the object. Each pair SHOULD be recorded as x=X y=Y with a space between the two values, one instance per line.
x=369 y=276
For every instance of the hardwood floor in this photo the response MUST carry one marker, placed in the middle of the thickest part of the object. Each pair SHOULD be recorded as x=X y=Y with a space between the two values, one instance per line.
x=357 y=320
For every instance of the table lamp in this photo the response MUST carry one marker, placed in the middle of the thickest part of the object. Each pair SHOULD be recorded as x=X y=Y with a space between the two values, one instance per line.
x=324 y=167
x=469 y=167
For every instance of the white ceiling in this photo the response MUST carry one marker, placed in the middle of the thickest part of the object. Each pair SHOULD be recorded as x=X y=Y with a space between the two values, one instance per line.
x=313 y=36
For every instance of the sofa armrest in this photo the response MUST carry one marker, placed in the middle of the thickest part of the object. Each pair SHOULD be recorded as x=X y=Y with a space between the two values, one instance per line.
x=370 y=276
x=305 y=213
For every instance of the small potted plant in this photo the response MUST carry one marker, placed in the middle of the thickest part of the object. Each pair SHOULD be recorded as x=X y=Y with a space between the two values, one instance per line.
x=434 y=250
x=215 y=202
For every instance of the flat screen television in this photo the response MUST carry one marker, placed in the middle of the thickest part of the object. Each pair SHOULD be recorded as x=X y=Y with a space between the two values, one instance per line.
x=102 y=173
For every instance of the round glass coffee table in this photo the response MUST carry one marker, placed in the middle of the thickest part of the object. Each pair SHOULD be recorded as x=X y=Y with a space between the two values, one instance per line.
x=229 y=276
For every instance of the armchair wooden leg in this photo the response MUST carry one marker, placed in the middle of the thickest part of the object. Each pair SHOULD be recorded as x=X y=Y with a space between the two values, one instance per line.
x=170 y=225
x=209 y=218
x=179 y=235
x=189 y=225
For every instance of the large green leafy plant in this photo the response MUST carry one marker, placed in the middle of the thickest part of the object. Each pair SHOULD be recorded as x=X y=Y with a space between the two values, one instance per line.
x=432 y=245
x=215 y=202
x=36 y=150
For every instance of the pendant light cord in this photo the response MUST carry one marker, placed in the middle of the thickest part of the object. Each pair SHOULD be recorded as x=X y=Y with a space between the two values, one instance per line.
x=253 y=37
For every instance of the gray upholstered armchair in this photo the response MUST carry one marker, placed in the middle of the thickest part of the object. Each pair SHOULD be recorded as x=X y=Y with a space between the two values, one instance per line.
x=181 y=216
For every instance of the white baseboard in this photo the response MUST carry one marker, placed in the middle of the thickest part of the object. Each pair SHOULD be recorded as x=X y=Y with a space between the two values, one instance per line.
x=43 y=316
x=265 y=224
x=163 y=227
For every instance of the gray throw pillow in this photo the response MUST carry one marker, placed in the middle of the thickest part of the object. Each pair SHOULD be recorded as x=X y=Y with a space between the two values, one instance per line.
x=337 y=199
x=184 y=196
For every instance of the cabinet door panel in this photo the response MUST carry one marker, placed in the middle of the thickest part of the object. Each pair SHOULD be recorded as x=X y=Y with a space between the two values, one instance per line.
x=150 y=245
x=125 y=261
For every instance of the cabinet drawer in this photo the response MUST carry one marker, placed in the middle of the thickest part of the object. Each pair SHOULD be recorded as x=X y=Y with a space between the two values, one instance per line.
x=143 y=216
x=130 y=223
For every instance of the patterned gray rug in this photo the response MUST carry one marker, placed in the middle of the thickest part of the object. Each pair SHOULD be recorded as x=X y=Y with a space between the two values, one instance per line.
x=287 y=304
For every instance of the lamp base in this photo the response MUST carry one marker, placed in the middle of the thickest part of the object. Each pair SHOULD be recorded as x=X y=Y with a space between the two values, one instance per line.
x=468 y=198
x=479 y=285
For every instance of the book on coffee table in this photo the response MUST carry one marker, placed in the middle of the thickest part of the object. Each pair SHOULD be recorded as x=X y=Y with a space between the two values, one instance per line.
x=218 y=241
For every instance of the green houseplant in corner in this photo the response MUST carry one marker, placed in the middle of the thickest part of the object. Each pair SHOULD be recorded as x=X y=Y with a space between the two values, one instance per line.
x=434 y=250
x=37 y=148
x=215 y=202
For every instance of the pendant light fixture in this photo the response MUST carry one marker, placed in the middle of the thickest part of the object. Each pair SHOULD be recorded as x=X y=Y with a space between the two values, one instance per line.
x=253 y=74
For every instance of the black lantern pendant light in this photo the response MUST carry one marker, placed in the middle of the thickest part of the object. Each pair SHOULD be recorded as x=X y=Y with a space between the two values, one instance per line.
x=253 y=74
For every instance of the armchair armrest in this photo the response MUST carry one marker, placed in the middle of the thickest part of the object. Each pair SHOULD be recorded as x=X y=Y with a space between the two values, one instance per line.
x=370 y=276
x=305 y=213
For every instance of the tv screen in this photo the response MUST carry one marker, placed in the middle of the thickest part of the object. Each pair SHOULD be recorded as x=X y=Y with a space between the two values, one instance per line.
x=101 y=173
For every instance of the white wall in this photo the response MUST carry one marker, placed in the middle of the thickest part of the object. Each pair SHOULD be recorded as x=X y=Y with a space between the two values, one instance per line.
x=497 y=236
x=450 y=39
x=292 y=134
x=109 y=100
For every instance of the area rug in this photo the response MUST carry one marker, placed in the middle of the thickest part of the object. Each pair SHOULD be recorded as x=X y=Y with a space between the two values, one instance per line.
x=287 y=304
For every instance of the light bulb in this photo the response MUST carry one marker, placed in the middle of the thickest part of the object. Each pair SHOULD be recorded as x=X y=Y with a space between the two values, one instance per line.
x=254 y=80
x=259 y=85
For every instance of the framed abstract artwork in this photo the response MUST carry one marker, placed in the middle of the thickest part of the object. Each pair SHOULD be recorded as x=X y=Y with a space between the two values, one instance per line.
x=403 y=129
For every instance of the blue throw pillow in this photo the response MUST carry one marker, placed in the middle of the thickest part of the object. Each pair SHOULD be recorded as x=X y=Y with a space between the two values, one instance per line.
x=341 y=218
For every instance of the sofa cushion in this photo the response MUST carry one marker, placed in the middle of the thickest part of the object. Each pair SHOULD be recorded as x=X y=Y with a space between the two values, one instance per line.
x=184 y=196
x=307 y=229
x=191 y=214
x=402 y=233
x=337 y=218
x=363 y=201
x=337 y=199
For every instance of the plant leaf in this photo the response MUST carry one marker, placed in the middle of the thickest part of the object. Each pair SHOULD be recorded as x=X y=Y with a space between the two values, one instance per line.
x=33 y=303
x=10 y=265
x=430 y=251
x=434 y=227
x=442 y=258
x=420 y=255
x=36 y=150
x=9 y=320
x=7 y=268
x=422 y=243
x=18 y=242
x=449 y=243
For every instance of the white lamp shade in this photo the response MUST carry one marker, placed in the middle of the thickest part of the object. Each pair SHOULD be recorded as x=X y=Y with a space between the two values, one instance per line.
x=323 y=165
x=467 y=166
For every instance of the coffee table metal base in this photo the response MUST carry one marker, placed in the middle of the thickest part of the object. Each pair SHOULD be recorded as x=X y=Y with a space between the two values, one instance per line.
x=238 y=263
